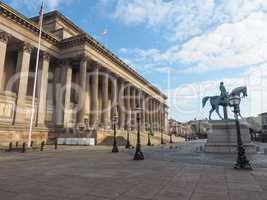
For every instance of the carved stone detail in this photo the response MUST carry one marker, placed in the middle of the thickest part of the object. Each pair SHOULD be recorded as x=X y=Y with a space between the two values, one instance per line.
x=4 y=37
x=46 y=56
x=27 y=47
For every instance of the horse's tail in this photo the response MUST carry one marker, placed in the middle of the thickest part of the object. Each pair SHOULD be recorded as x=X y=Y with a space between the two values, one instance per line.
x=204 y=101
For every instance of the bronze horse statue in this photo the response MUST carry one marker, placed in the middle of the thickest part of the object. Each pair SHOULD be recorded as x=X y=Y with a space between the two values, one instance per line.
x=216 y=101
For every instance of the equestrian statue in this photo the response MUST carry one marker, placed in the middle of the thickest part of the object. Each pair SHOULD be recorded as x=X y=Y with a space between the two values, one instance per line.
x=223 y=100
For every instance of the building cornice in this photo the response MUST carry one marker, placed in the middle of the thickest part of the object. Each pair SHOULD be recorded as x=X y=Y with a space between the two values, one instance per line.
x=18 y=18
x=85 y=39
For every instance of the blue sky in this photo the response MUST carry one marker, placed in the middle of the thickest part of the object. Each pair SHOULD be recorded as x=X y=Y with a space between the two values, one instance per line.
x=183 y=47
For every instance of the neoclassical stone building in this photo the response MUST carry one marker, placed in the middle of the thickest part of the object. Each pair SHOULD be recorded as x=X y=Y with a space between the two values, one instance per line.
x=80 y=82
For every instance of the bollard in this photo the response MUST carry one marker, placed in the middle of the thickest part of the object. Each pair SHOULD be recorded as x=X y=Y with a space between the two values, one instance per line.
x=31 y=144
x=23 y=147
x=56 y=144
x=42 y=146
x=17 y=145
x=265 y=151
x=10 y=147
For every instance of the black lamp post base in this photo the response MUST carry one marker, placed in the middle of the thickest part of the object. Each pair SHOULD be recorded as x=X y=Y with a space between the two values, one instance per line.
x=115 y=149
x=149 y=141
x=242 y=161
x=138 y=155
x=243 y=166
x=128 y=145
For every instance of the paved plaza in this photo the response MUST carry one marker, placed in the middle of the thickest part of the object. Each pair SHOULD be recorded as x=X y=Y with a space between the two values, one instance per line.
x=182 y=171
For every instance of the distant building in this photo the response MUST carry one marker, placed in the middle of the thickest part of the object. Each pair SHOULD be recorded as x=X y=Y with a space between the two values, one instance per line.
x=179 y=128
x=200 y=128
x=263 y=123
x=263 y=119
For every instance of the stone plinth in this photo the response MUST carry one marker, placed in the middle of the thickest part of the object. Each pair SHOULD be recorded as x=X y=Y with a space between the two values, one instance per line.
x=222 y=137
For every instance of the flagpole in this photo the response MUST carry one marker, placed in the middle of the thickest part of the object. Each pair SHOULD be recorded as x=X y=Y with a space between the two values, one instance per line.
x=35 y=76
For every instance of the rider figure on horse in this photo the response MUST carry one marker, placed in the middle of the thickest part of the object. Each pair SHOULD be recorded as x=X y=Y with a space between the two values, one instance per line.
x=224 y=93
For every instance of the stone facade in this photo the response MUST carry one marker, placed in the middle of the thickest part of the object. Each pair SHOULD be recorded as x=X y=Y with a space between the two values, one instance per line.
x=81 y=84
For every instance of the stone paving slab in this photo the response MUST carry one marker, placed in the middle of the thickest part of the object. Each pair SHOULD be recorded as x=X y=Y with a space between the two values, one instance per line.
x=100 y=175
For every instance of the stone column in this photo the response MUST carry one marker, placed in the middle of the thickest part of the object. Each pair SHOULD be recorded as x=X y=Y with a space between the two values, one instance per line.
x=105 y=103
x=67 y=97
x=94 y=110
x=128 y=106
x=150 y=114
x=82 y=92
x=157 y=115
x=133 y=106
x=23 y=64
x=121 y=105
x=153 y=114
x=63 y=80
x=161 y=116
x=114 y=97
x=42 y=97
x=3 y=46
x=146 y=112
x=143 y=107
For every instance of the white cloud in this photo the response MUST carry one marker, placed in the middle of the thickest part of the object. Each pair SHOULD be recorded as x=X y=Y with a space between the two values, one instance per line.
x=33 y=6
x=179 y=19
x=229 y=46
x=53 y=4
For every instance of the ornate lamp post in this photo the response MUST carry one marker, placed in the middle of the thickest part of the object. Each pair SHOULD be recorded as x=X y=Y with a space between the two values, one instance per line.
x=138 y=153
x=242 y=161
x=115 y=121
x=128 y=145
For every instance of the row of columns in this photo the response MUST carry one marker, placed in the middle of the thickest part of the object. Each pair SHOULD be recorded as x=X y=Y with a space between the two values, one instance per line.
x=22 y=68
x=124 y=97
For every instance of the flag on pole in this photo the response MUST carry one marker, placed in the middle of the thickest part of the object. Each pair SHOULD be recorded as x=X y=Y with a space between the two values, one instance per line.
x=104 y=32
x=41 y=14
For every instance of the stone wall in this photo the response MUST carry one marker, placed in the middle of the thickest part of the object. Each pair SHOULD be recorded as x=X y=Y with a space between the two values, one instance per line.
x=105 y=137
x=20 y=134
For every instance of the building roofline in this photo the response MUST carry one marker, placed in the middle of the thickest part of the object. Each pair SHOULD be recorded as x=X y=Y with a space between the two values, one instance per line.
x=57 y=13
x=23 y=20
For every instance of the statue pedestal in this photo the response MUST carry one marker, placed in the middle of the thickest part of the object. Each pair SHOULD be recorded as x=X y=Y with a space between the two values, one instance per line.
x=222 y=137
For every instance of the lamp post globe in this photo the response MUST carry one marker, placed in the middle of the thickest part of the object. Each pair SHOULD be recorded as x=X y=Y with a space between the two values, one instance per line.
x=242 y=161
x=138 y=153
x=114 y=122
